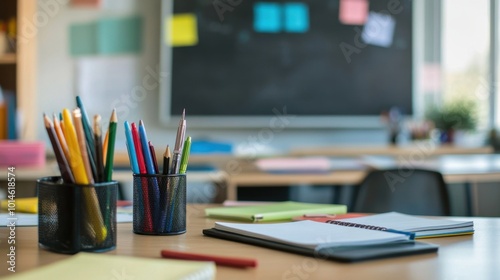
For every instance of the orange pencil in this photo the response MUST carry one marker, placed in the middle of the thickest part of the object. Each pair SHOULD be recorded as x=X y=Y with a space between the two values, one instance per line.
x=61 y=159
x=60 y=136
x=105 y=147
x=80 y=134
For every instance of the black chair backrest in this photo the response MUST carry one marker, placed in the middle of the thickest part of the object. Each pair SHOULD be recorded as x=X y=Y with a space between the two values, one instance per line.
x=409 y=191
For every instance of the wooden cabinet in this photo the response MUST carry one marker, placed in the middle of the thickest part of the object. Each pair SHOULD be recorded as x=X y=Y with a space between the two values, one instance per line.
x=18 y=70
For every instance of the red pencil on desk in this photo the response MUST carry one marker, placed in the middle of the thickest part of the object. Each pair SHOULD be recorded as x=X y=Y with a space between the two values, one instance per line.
x=226 y=261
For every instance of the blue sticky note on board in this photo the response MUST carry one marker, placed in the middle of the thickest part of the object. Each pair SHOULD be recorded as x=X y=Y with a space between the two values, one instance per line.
x=296 y=17
x=119 y=35
x=267 y=17
x=82 y=39
x=207 y=147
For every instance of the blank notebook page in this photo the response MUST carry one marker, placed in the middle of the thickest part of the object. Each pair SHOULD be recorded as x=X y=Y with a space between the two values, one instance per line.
x=311 y=234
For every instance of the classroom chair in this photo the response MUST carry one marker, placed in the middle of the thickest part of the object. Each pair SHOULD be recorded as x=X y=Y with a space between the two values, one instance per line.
x=414 y=191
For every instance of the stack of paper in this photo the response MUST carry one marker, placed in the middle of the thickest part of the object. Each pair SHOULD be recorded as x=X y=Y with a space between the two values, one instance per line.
x=421 y=226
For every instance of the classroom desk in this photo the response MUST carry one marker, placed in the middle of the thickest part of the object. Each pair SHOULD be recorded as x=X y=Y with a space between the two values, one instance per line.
x=468 y=169
x=460 y=257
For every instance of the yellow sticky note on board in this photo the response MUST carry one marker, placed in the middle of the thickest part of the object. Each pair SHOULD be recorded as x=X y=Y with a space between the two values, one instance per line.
x=182 y=30
x=25 y=205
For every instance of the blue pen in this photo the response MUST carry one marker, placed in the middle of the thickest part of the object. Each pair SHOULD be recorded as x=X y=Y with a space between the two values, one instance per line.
x=148 y=160
x=131 y=148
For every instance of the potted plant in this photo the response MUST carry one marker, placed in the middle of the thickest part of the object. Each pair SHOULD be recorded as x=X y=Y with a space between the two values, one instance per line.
x=457 y=114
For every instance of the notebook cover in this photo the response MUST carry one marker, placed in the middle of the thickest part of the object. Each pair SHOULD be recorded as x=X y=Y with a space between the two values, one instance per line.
x=274 y=212
x=351 y=254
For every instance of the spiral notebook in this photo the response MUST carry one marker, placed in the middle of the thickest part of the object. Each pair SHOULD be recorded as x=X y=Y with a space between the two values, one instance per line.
x=423 y=227
x=324 y=240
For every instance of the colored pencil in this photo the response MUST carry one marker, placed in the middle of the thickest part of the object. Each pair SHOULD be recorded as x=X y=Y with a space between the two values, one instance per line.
x=95 y=227
x=99 y=161
x=132 y=154
x=62 y=124
x=148 y=215
x=89 y=137
x=166 y=160
x=75 y=160
x=60 y=136
x=182 y=170
x=80 y=135
x=138 y=149
x=108 y=169
x=148 y=160
x=179 y=141
x=153 y=156
x=105 y=146
x=185 y=155
x=61 y=159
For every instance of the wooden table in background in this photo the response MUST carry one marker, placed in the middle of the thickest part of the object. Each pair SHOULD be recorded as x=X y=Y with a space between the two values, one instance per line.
x=425 y=147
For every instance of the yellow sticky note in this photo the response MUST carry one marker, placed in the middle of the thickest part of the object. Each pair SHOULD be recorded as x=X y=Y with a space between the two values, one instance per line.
x=182 y=30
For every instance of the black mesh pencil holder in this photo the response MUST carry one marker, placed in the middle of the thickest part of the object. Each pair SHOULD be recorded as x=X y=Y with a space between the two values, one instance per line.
x=74 y=218
x=159 y=204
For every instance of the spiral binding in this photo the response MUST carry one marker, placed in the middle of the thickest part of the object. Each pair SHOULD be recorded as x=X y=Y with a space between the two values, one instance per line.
x=348 y=224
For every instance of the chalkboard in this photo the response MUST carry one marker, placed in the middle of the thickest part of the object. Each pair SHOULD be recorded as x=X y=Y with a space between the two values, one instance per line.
x=326 y=68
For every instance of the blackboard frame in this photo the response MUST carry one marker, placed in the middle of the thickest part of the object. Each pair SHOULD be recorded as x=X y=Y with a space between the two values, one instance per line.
x=169 y=116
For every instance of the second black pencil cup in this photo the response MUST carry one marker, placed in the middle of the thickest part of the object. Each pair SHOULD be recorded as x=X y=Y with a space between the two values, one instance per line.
x=74 y=218
x=159 y=204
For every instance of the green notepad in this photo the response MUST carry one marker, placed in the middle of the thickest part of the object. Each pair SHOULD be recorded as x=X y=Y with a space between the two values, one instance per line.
x=279 y=211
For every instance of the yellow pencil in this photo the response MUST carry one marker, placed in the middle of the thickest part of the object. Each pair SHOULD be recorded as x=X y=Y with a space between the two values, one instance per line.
x=96 y=224
x=75 y=158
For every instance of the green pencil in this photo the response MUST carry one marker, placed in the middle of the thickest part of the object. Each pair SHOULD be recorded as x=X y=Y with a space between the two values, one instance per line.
x=108 y=170
x=185 y=155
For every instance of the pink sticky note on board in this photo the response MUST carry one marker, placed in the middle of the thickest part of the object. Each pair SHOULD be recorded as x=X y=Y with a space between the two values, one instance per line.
x=353 y=12
x=430 y=78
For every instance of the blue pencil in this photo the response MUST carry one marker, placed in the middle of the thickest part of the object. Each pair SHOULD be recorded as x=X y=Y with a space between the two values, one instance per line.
x=89 y=137
x=155 y=196
x=131 y=148
x=132 y=155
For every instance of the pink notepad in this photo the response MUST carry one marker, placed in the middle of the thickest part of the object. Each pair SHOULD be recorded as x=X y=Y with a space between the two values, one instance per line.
x=18 y=153
x=294 y=165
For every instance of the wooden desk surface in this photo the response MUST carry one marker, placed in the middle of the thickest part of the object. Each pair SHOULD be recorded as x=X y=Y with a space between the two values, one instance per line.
x=460 y=257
